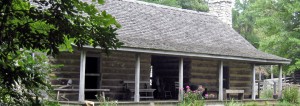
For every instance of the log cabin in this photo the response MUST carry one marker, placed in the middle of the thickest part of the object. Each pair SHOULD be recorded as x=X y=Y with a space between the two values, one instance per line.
x=169 y=48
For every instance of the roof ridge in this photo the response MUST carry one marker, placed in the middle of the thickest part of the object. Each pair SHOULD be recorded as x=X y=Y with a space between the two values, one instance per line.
x=168 y=7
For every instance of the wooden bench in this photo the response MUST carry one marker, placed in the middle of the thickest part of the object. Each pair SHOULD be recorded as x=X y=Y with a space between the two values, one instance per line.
x=230 y=91
x=146 y=91
x=77 y=90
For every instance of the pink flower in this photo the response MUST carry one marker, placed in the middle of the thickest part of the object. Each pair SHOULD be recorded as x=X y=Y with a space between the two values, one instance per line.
x=187 y=87
x=206 y=95
x=188 y=90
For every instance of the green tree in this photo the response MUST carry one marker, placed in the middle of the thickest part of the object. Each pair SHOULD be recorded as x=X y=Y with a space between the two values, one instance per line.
x=173 y=3
x=276 y=24
x=243 y=21
x=198 y=5
x=44 y=26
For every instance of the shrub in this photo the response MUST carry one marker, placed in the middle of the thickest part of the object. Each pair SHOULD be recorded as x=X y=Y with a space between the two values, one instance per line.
x=266 y=94
x=252 y=104
x=233 y=103
x=106 y=101
x=285 y=103
x=51 y=103
x=290 y=94
x=192 y=98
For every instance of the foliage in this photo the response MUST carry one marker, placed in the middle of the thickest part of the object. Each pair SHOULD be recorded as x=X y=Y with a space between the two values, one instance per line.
x=233 y=103
x=253 y=104
x=27 y=78
x=192 y=98
x=198 y=5
x=236 y=103
x=243 y=21
x=285 y=103
x=267 y=94
x=105 y=101
x=272 y=26
x=44 y=26
x=51 y=103
x=291 y=94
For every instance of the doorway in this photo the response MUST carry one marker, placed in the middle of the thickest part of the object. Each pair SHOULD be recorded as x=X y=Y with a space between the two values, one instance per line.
x=226 y=77
x=92 y=76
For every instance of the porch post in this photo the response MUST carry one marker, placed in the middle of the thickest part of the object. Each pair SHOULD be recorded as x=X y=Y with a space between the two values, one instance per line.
x=137 y=79
x=259 y=75
x=280 y=80
x=180 y=95
x=221 y=80
x=253 y=82
x=272 y=76
x=82 y=75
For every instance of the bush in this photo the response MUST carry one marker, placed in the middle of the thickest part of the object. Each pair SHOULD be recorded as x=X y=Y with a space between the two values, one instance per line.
x=192 y=98
x=285 y=103
x=51 y=103
x=290 y=94
x=233 y=103
x=106 y=101
x=266 y=94
x=252 y=104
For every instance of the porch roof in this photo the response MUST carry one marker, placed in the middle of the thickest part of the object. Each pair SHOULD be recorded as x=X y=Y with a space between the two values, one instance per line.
x=148 y=27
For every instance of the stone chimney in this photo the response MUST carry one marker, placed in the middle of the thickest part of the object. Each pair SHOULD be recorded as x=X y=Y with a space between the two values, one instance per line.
x=222 y=9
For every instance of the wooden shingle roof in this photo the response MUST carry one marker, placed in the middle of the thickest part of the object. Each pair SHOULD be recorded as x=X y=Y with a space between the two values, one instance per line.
x=148 y=26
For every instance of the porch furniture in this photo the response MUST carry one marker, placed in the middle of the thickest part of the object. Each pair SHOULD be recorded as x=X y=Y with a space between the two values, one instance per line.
x=77 y=90
x=231 y=91
x=145 y=92
x=213 y=92
x=168 y=94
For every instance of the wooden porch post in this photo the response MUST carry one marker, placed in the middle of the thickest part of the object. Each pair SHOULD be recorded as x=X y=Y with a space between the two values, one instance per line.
x=221 y=80
x=253 y=82
x=180 y=95
x=280 y=80
x=82 y=75
x=259 y=76
x=137 y=79
x=272 y=75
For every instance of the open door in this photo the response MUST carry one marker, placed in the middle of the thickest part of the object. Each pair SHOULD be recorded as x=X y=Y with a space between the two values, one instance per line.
x=92 y=76
x=226 y=77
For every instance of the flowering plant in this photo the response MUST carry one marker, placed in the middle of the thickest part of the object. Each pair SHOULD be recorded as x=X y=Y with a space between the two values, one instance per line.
x=192 y=98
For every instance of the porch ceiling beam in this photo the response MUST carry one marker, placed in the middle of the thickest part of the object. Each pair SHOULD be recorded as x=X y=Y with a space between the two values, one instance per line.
x=82 y=75
x=137 y=78
x=221 y=80
x=253 y=82
x=201 y=55
x=180 y=92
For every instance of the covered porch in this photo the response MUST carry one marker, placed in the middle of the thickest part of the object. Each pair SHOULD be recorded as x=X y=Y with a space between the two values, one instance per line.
x=174 y=71
x=259 y=102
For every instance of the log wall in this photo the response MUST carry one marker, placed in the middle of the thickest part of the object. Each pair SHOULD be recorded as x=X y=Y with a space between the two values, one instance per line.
x=114 y=69
x=69 y=70
x=120 y=66
x=240 y=76
x=205 y=72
